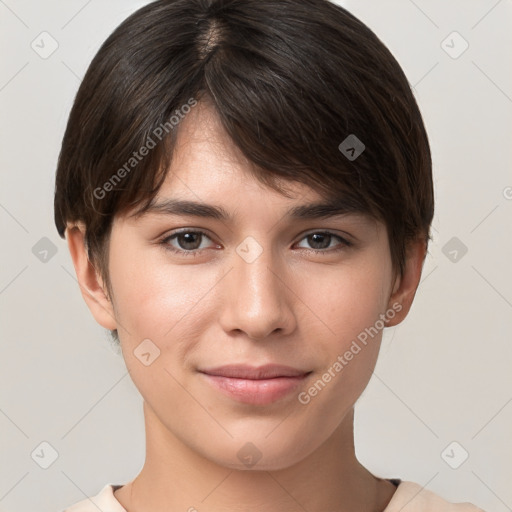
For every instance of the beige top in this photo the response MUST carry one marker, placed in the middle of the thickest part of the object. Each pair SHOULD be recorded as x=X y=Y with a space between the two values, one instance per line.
x=409 y=497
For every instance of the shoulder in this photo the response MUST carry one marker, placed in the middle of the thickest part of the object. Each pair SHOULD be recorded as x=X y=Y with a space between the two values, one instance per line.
x=104 y=501
x=412 y=497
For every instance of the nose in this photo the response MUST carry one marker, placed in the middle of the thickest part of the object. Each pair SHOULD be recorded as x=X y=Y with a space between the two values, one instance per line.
x=258 y=299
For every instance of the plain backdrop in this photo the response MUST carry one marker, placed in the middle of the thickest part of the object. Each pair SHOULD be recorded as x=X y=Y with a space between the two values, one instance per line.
x=438 y=410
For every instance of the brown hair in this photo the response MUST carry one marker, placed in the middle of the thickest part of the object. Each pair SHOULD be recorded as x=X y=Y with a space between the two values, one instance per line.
x=290 y=81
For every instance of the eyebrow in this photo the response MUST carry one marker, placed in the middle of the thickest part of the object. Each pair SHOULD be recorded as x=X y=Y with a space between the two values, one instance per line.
x=315 y=210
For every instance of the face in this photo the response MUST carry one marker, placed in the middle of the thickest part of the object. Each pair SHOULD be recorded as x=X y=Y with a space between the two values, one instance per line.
x=193 y=293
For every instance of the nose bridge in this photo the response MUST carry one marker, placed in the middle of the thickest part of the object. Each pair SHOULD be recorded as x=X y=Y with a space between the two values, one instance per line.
x=258 y=299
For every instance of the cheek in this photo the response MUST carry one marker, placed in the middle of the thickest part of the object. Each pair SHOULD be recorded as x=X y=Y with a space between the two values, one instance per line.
x=168 y=305
x=347 y=330
x=154 y=299
x=347 y=301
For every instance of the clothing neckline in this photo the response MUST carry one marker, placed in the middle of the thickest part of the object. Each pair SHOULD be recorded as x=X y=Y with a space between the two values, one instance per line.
x=395 y=481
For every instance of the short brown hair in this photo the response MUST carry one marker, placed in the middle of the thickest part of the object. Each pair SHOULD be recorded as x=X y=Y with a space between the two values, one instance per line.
x=290 y=81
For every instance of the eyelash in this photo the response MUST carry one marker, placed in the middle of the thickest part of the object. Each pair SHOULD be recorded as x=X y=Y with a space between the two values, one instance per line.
x=195 y=252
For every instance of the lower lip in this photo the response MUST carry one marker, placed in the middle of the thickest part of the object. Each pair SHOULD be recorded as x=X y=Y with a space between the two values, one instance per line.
x=256 y=392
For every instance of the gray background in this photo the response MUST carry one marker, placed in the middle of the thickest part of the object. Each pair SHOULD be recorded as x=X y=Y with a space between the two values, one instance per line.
x=444 y=375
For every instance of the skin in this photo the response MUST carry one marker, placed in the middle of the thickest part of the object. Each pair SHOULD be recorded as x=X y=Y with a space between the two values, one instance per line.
x=290 y=306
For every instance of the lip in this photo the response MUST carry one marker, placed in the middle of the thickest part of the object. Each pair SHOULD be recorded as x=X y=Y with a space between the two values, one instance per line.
x=244 y=371
x=255 y=385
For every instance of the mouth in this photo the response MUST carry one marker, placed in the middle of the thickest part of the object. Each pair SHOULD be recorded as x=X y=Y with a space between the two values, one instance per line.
x=255 y=385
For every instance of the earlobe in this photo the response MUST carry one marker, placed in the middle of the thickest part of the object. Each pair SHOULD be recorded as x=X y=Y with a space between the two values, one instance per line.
x=91 y=285
x=405 y=286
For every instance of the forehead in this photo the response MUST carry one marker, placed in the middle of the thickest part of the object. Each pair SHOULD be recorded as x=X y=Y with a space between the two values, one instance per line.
x=206 y=160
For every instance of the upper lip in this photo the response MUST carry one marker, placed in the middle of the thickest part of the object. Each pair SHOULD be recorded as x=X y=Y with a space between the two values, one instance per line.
x=242 y=371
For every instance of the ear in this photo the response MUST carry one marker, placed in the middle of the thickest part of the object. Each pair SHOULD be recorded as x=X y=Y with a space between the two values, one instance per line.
x=405 y=286
x=91 y=285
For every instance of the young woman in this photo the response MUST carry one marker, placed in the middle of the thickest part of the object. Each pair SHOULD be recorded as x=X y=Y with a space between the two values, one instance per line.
x=246 y=191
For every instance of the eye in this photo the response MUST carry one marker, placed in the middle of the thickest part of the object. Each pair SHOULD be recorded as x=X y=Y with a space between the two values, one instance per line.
x=188 y=242
x=321 y=240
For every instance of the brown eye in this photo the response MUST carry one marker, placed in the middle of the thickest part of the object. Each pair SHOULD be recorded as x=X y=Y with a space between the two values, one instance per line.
x=321 y=241
x=187 y=242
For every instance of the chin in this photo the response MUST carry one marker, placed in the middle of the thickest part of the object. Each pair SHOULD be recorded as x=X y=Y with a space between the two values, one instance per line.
x=260 y=455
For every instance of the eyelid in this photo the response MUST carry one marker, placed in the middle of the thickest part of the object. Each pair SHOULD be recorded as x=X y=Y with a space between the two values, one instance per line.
x=345 y=240
x=199 y=231
x=347 y=237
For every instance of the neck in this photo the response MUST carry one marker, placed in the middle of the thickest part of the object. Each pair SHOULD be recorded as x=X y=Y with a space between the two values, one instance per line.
x=175 y=477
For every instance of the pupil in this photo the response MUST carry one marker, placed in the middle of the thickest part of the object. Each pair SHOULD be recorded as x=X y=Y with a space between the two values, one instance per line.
x=315 y=237
x=189 y=239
